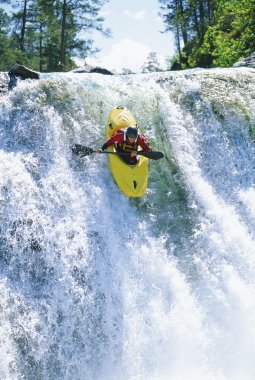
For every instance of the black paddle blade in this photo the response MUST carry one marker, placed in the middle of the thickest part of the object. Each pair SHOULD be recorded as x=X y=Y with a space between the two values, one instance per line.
x=81 y=150
x=152 y=155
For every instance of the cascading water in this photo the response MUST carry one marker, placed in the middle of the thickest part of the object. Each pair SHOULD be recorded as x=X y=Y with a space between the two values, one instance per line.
x=96 y=286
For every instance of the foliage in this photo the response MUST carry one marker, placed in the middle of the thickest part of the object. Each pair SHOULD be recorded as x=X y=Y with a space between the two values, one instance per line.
x=233 y=36
x=152 y=64
x=47 y=34
x=127 y=71
x=210 y=33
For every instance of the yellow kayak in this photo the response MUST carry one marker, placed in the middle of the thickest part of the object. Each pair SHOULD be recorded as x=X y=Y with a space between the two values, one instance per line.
x=131 y=179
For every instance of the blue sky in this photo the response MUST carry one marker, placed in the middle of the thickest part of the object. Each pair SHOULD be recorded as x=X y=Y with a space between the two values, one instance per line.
x=136 y=28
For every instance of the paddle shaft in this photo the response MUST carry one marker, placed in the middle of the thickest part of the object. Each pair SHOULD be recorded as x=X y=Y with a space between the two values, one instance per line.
x=152 y=154
x=120 y=153
x=86 y=151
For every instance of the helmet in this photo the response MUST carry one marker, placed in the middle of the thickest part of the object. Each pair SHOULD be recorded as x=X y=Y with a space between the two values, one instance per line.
x=132 y=132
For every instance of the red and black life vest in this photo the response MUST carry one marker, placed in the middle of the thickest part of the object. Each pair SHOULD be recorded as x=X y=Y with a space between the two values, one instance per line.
x=125 y=146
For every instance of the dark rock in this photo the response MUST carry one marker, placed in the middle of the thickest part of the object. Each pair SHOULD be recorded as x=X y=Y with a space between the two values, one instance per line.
x=23 y=72
x=246 y=62
x=92 y=69
x=100 y=70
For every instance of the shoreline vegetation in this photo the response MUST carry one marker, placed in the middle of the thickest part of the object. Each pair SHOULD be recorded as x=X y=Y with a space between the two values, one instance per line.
x=47 y=36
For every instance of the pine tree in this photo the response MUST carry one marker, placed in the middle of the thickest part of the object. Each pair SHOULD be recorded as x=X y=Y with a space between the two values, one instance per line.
x=189 y=21
x=79 y=17
x=152 y=64
x=50 y=33
x=9 y=52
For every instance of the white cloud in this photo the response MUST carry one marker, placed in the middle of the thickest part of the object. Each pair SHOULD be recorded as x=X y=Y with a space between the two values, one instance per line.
x=140 y=15
x=124 y=54
x=127 y=12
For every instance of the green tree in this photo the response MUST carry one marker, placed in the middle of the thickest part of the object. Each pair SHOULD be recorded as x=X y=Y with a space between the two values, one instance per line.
x=152 y=64
x=175 y=17
x=47 y=16
x=48 y=34
x=21 y=18
x=8 y=53
x=219 y=32
x=188 y=19
x=79 y=18
x=233 y=35
x=4 y=22
x=126 y=71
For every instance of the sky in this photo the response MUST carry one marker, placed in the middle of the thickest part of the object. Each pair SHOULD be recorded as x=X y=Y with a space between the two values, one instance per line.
x=136 y=31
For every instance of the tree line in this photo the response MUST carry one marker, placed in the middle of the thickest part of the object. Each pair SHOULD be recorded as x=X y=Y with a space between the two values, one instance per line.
x=210 y=33
x=47 y=34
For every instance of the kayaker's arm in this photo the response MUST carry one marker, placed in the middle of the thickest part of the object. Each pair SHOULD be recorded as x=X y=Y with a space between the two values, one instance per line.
x=115 y=138
x=104 y=147
x=144 y=143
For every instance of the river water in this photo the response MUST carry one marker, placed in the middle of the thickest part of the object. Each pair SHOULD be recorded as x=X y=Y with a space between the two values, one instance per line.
x=97 y=286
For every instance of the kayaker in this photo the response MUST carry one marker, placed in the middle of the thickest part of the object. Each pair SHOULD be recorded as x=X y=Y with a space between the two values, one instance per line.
x=127 y=140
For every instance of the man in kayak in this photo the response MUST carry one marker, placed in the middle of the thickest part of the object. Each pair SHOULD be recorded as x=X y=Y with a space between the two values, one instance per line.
x=127 y=141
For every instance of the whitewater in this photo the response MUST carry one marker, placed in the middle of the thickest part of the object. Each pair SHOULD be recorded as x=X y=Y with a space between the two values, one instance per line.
x=98 y=286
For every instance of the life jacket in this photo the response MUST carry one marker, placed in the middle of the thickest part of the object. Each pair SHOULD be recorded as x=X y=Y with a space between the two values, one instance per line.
x=125 y=146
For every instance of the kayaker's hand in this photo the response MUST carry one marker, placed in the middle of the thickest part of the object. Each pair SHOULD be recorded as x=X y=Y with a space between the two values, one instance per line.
x=133 y=153
x=99 y=151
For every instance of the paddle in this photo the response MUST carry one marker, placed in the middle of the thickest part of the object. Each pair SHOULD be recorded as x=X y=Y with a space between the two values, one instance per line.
x=86 y=151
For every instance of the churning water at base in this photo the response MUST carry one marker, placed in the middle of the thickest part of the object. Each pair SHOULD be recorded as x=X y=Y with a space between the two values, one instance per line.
x=96 y=286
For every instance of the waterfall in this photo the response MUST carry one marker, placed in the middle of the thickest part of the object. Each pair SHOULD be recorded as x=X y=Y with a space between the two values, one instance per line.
x=98 y=286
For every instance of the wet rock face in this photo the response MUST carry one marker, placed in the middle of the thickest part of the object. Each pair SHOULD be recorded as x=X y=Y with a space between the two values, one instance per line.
x=100 y=70
x=3 y=82
x=92 y=69
x=247 y=62
x=23 y=72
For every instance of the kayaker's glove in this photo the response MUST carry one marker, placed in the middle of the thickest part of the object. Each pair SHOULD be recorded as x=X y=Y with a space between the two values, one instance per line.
x=104 y=147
